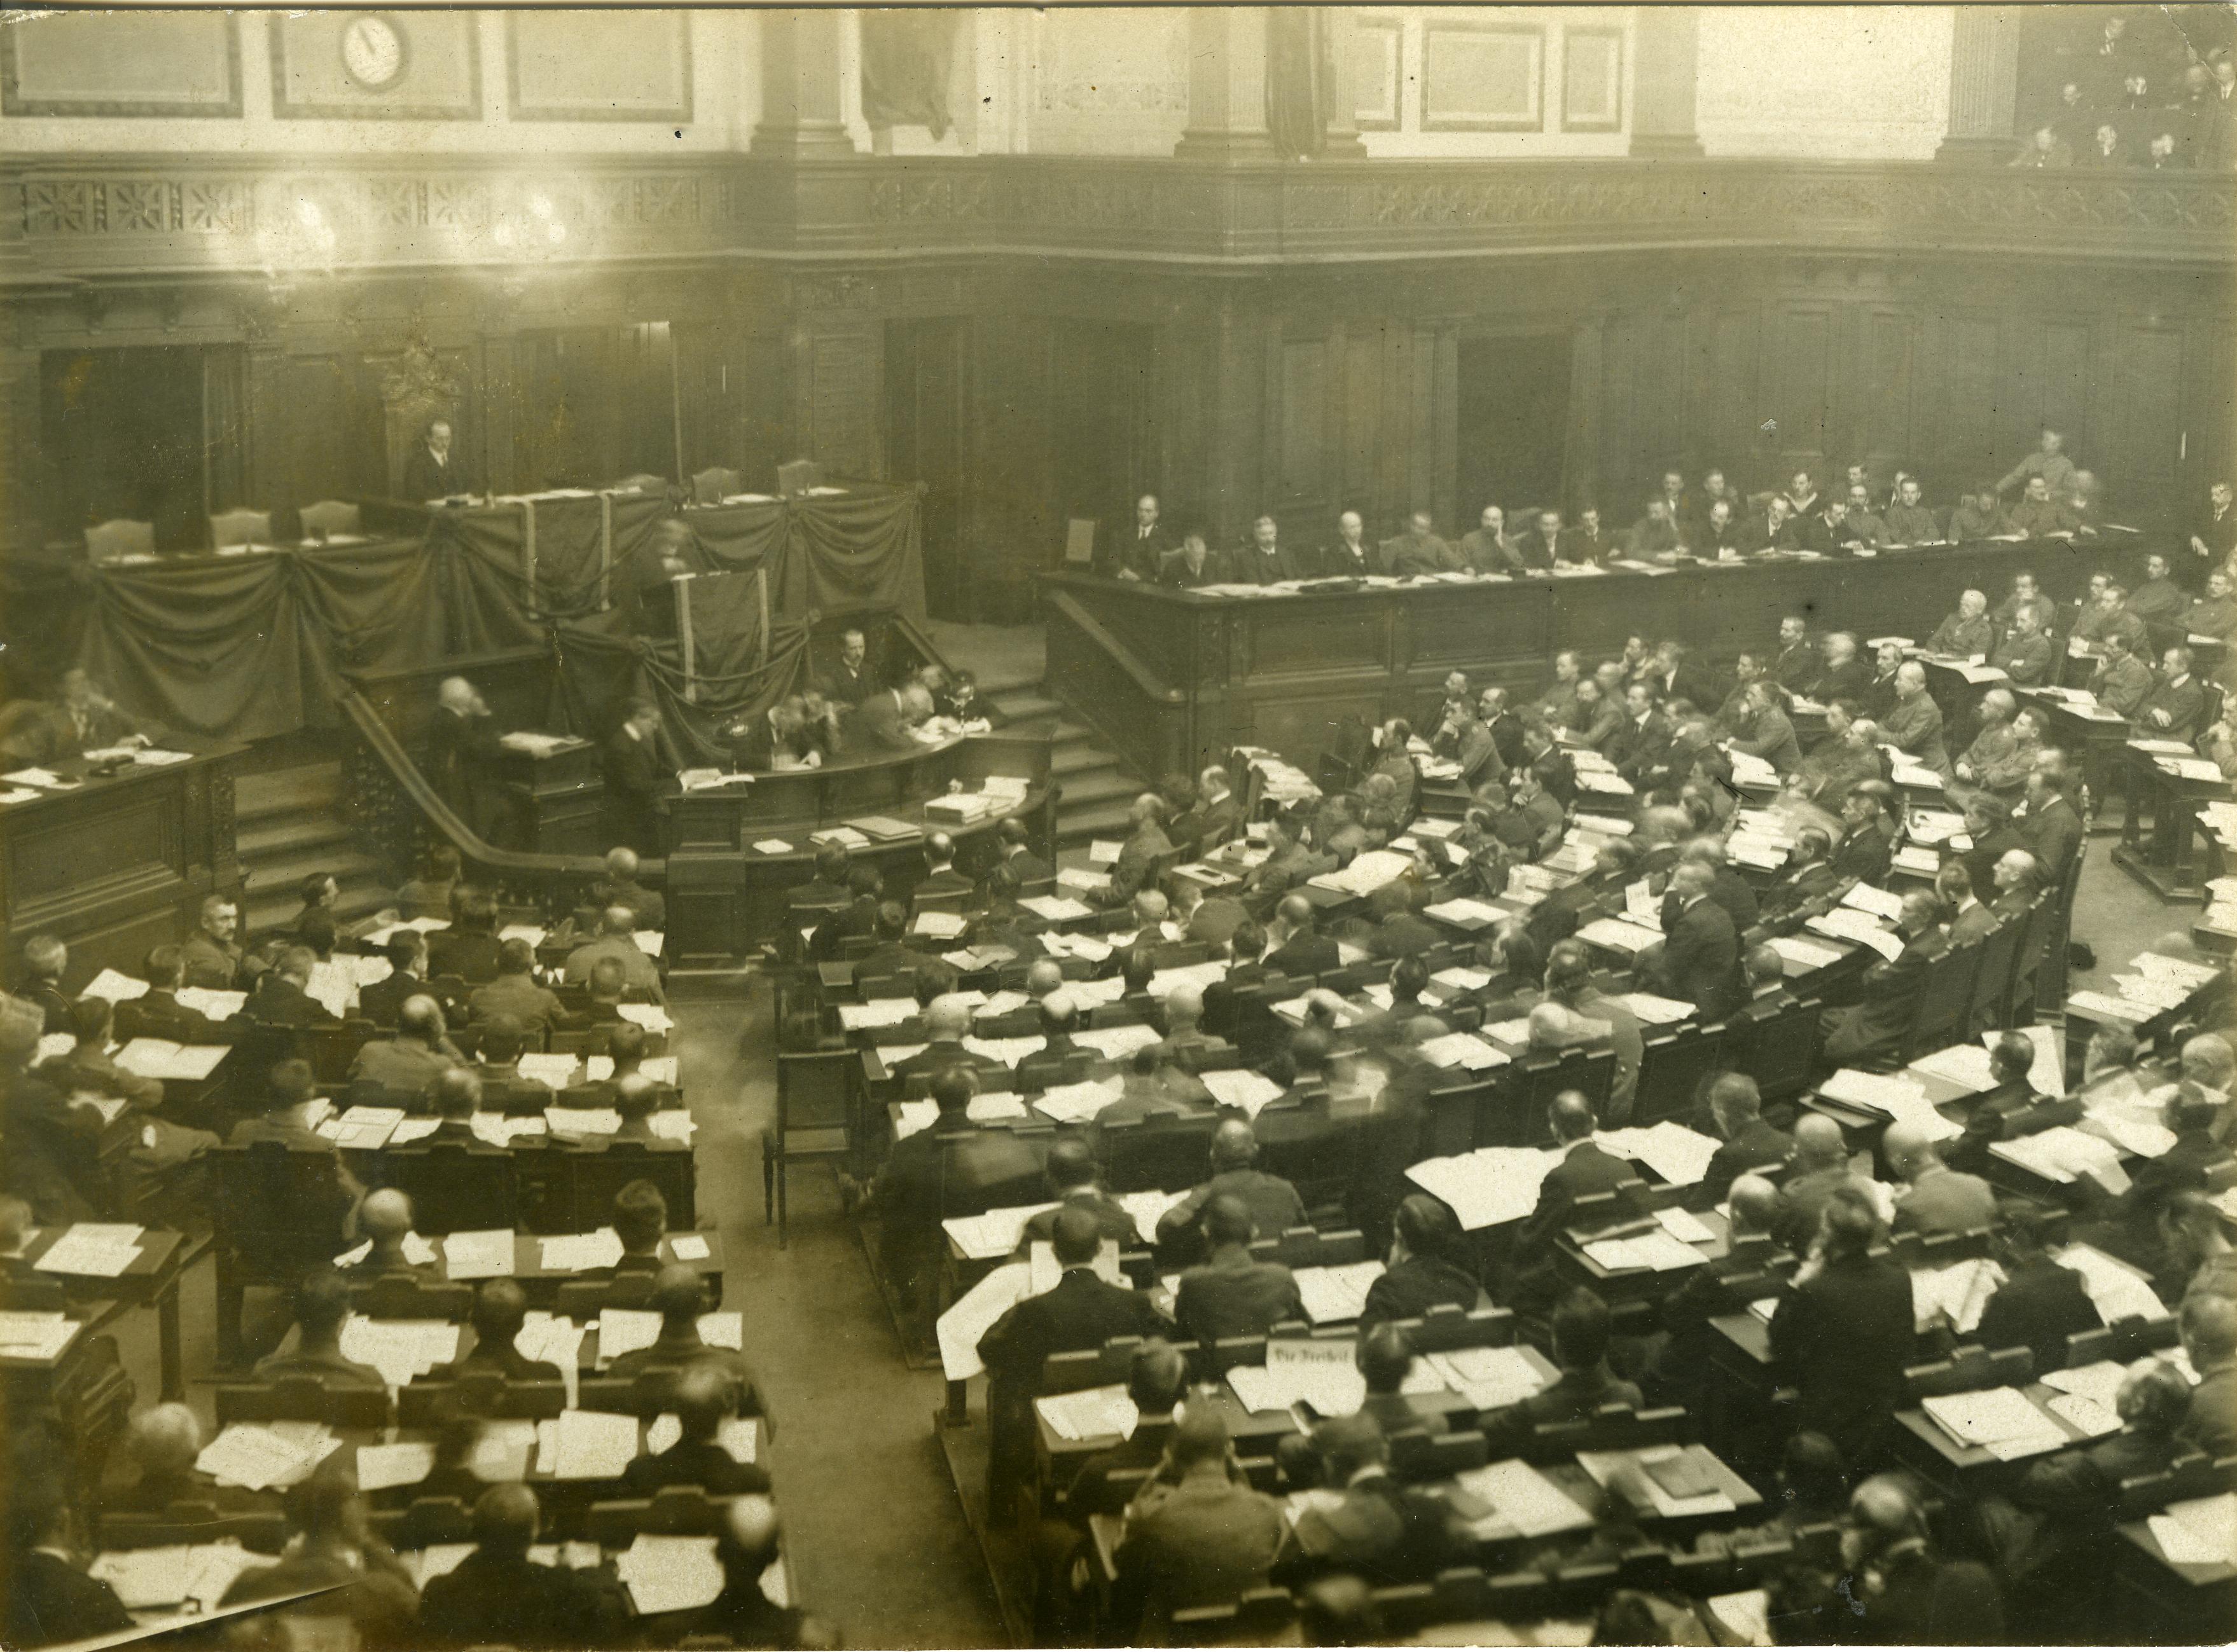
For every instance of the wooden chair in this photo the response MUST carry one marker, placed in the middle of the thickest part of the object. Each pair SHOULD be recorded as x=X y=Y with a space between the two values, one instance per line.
x=1945 y=993
x=242 y=527
x=278 y=1210
x=1670 y=1069
x=647 y=1394
x=716 y=483
x=1162 y=1151
x=581 y=1299
x=328 y=517
x=454 y=1186
x=2124 y=1340
x=406 y=1296
x=674 y=1511
x=1968 y=1369
x=1992 y=981
x=1781 y=1051
x=92 y=1406
x=120 y=537
x=595 y=1175
x=192 y=1523
x=1451 y=1126
x=424 y=1521
x=814 y=1120
x=1424 y=1456
x=302 y=1399
x=426 y=1404
x=1446 y=1327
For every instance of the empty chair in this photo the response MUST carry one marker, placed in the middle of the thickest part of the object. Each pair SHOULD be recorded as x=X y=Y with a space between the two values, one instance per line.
x=714 y=484
x=120 y=537
x=329 y=517
x=242 y=527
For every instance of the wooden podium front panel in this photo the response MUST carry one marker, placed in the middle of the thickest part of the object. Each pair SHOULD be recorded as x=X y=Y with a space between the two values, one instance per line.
x=120 y=865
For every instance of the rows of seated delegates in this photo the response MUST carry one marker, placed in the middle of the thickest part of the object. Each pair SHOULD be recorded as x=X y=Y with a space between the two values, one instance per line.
x=467 y=1437
x=2135 y=95
x=1862 y=511
x=1609 y=1155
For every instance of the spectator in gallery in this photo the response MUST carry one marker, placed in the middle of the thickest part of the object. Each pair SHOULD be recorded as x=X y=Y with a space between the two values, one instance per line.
x=2044 y=151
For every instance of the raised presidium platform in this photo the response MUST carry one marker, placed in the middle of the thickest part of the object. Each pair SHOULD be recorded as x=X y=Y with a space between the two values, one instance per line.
x=1166 y=676
x=114 y=854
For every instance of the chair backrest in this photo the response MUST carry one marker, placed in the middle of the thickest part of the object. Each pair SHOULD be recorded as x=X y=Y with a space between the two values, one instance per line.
x=302 y=1399
x=714 y=484
x=1447 y=1327
x=406 y=1296
x=1612 y=1428
x=1308 y=1248
x=242 y=527
x=277 y=1207
x=1779 y=1051
x=2124 y=1340
x=120 y=537
x=1945 y=993
x=425 y=1521
x=1992 y=982
x=597 y=1173
x=1162 y=1151
x=424 y=1404
x=455 y=1187
x=1424 y=1456
x=1671 y=1068
x=1968 y=1369
x=261 y=1532
x=1450 y=1126
x=329 y=516
x=581 y=1299
x=1589 y=1071
x=673 y=1511
x=814 y=1089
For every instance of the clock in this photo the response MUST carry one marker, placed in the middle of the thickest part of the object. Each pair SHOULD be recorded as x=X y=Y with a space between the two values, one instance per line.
x=372 y=51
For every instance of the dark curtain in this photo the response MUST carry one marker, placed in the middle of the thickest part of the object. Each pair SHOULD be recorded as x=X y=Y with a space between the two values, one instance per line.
x=603 y=667
x=905 y=66
x=1296 y=79
x=857 y=550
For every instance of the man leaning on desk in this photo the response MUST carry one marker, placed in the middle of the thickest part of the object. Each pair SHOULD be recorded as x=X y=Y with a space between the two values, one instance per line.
x=83 y=720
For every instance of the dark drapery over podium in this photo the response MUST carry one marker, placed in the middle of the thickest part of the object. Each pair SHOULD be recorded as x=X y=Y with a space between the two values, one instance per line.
x=246 y=646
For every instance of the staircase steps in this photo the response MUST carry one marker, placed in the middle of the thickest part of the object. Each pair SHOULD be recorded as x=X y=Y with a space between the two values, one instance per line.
x=1097 y=789
x=288 y=823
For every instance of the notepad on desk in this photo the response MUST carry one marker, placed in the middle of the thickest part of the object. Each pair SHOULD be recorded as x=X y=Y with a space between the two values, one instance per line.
x=40 y=1335
x=670 y=1574
x=1091 y=1413
x=486 y=1253
x=161 y=1058
x=1332 y=1294
x=101 y=1250
x=575 y=1253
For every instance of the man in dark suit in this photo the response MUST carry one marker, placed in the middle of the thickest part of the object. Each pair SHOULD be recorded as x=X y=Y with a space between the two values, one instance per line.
x=157 y=1013
x=1230 y=1293
x=702 y=1400
x=1081 y=1311
x=1017 y=852
x=2040 y=1304
x=1419 y=550
x=1540 y=548
x=1428 y=1265
x=1266 y=560
x=1846 y=1333
x=1808 y=881
x=1643 y=739
x=1675 y=677
x=2176 y=705
x=1273 y=1203
x=279 y=1000
x=848 y=683
x=1196 y=1533
x=1138 y=550
x=462 y=754
x=941 y=876
x=1796 y=664
x=497 y=1593
x=1875 y=1025
x=956 y=1168
x=1348 y=556
x=1377 y=1532
x=2013 y=1107
x=636 y=770
x=2209 y=1336
x=470 y=948
x=1581 y=1332
x=1304 y=954
x=500 y=1311
x=1192 y=565
x=433 y=469
x=1908 y=1597
x=1585 y=1168
x=1215 y=817
x=1701 y=955
x=1074 y=1181
x=2054 y=826
x=49 y=1598
x=1156 y=1381
x=1841 y=674
x=380 y=1001
x=1867 y=851
x=883 y=720
x=1750 y=1143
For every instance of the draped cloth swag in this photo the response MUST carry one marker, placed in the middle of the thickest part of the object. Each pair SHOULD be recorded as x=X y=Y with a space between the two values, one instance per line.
x=249 y=646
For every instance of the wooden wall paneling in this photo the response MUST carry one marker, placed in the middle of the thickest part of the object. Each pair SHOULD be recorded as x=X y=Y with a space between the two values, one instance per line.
x=1454 y=518
x=1733 y=349
x=1965 y=439
x=497 y=459
x=838 y=387
x=1801 y=362
x=2141 y=456
x=1012 y=529
x=2209 y=409
x=2064 y=353
x=1581 y=479
x=1888 y=338
x=1421 y=430
x=1361 y=422
x=1305 y=407
x=1619 y=491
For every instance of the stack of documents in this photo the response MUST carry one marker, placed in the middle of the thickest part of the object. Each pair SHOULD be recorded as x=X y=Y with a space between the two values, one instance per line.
x=1679 y=1479
x=1513 y=1495
x=585 y=1445
x=1091 y=1413
x=266 y=1456
x=1148 y=1208
x=161 y=1058
x=2201 y=1532
x=1487 y=1186
x=1847 y=924
x=2000 y=1420
x=1803 y=956
x=363 y=1128
x=1467 y=913
x=1657 y=1011
x=115 y=987
x=1463 y=1050
x=994 y=1233
x=670 y=1574
x=32 y=1335
x=574 y=1253
x=650 y=1016
x=581 y=1121
x=1331 y=1294
x=2062 y=1153
x=102 y=1249
x=1955 y=1295
x=1301 y=1370
x=1077 y=1103
x=1677 y=1154
x=1655 y=1250
x=1489 y=1379
x=552 y=1071
x=2119 y=1290
x=1962 y=1064
x=1620 y=935
x=483 y=1255
x=406 y=1463
x=400 y=1349
x=180 y=1575
x=1057 y=909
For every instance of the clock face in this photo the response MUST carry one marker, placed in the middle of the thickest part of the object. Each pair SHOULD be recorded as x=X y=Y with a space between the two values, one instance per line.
x=372 y=51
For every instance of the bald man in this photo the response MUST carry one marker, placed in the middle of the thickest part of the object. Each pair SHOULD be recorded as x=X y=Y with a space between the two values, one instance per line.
x=1186 y=1043
x=497 y=1594
x=385 y=1219
x=1304 y=954
x=747 y=1546
x=702 y=1403
x=1941 y=1200
x=1903 y=1595
x=162 y=1443
x=1585 y=1168
x=1820 y=1167
x=1273 y=1203
x=1913 y=722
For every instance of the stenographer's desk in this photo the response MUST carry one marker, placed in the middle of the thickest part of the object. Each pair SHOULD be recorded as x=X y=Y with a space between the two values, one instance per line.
x=726 y=891
x=1172 y=676
x=117 y=864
